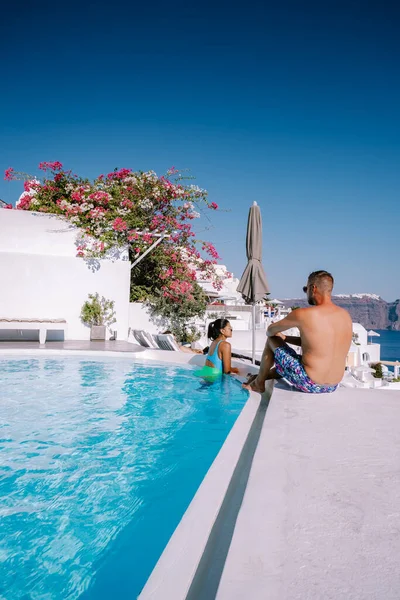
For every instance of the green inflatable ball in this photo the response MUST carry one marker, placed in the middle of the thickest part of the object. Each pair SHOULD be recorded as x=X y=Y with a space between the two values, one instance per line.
x=208 y=373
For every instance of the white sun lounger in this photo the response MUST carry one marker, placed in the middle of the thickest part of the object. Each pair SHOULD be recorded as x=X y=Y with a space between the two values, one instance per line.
x=41 y=325
x=166 y=341
x=144 y=338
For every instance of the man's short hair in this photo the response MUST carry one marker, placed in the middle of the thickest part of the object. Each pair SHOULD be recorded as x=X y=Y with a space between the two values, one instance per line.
x=322 y=280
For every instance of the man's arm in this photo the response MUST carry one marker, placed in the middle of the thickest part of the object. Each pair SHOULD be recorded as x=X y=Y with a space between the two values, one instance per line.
x=292 y=320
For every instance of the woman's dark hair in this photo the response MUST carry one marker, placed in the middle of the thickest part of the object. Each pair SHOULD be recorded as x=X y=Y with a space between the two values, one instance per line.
x=214 y=328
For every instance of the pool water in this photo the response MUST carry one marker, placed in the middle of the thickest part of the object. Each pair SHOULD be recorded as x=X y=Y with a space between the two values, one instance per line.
x=99 y=460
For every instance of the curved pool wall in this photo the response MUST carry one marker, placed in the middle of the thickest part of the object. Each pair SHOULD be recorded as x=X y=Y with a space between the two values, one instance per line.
x=192 y=563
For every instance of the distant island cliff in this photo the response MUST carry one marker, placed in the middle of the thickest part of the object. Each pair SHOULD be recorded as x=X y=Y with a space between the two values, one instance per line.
x=368 y=309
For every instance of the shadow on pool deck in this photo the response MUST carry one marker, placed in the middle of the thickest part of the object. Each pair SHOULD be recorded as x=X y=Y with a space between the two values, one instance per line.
x=208 y=575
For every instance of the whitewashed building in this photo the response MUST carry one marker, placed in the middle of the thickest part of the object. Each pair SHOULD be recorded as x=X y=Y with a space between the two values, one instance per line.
x=42 y=278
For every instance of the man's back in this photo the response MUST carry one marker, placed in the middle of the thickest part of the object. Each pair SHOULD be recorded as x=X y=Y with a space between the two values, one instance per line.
x=326 y=333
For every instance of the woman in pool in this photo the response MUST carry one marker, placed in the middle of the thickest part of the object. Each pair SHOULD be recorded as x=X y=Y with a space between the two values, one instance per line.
x=219 y=353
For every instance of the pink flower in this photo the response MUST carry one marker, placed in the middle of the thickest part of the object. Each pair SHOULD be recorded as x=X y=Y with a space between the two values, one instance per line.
x=74 y=210
x=126 y=203
x=50 y=166
x=76 y=196
x=213 y=205
x=9 y=174
x=172 y=171
x=133 y=236
x=119 y=224
x=25 y=202
x=9 y=206
x=99 y=197
x=121 y=174
x=209 y=248
x=97 y=213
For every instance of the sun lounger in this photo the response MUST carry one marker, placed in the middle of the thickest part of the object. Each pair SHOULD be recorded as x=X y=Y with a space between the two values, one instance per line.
x=140 y=338
x=144 y=338
x=152 y=341
x=41 y=325
x=166 y=341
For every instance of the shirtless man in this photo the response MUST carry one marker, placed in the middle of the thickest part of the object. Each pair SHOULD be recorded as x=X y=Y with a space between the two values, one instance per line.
x=325 y=338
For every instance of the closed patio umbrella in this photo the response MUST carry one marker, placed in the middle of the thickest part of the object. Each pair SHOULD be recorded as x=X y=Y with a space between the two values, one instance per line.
x=253 y=284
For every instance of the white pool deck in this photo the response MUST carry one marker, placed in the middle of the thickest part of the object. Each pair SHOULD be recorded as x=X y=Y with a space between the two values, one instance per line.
x=302 y=502
x=320 y=516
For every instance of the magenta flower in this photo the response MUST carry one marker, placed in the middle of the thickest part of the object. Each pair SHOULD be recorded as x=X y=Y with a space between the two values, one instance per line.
x=133 y=236
x=9 y=174
x=76 y=196
x=119 y=224
x=97 y=213
x=50 y=166
x=25 y=202
x=99 y=197
x=121 y=174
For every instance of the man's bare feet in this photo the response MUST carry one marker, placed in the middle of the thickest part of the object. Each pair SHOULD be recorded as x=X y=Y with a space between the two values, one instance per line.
x=254 y=385
x=250 y=378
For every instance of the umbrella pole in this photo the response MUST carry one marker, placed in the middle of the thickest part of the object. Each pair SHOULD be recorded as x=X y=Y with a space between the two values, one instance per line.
x=253 y=339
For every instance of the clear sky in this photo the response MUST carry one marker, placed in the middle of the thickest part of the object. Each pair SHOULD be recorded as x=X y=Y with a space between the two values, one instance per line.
x=295 y=106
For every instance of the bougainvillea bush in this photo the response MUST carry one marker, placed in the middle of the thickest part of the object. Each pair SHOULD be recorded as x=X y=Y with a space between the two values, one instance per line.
x=131 y=209
x=178 y=317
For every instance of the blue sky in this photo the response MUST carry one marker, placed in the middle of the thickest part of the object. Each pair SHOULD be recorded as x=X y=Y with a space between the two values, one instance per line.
x=296 y=107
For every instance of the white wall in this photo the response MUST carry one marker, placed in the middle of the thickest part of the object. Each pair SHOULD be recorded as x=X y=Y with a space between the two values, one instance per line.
x=40 y=275
x=140 y=319
x=242 y=340
x=373 y=351
x=361 y=332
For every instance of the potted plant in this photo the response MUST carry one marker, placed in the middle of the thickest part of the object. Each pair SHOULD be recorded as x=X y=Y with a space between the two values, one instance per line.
x=98 y=314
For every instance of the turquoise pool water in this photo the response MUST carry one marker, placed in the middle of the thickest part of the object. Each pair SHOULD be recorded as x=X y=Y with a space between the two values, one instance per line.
x=99 y=460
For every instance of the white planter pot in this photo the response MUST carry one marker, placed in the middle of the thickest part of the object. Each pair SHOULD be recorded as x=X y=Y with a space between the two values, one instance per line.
x=98 y=332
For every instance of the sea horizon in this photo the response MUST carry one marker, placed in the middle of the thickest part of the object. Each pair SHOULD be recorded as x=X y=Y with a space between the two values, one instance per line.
x=390 y=344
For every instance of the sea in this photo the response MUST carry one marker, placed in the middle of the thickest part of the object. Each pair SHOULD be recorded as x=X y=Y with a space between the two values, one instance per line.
x=390 y=344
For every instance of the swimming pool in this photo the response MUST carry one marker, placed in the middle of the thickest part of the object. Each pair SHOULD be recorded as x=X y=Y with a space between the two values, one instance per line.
x=99 y=460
